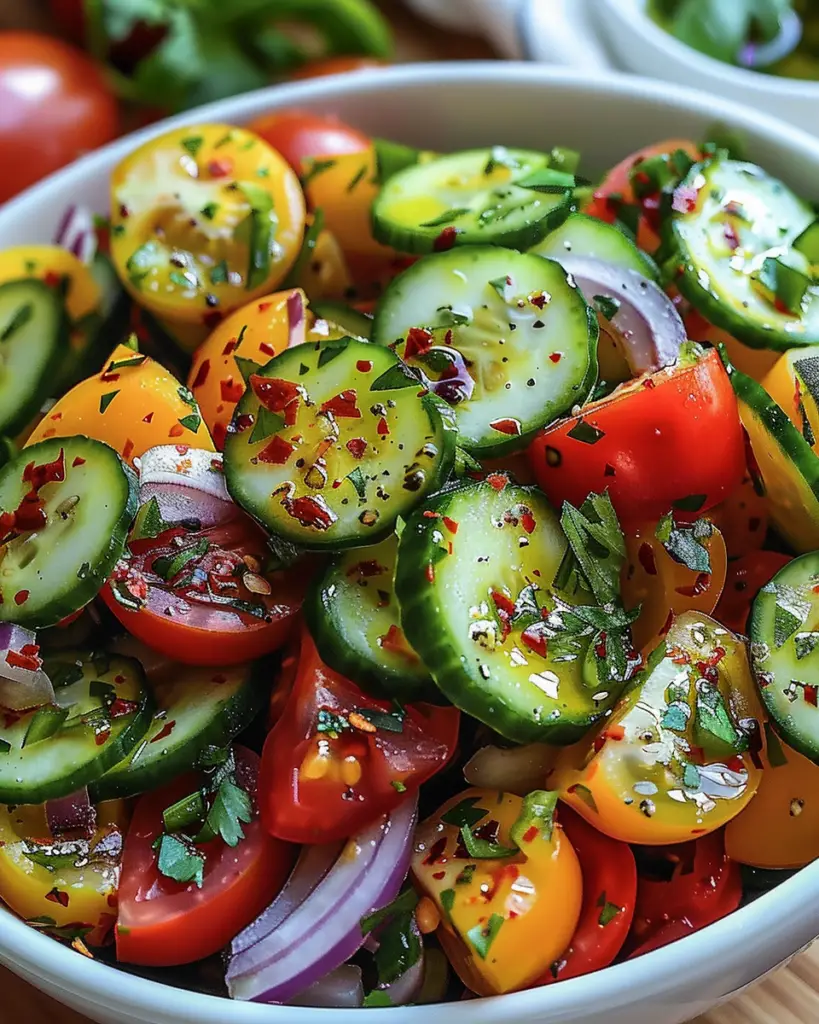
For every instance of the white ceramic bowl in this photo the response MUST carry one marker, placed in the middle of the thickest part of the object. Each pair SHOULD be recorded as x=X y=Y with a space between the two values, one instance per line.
x=642 y=46
x=449 y=107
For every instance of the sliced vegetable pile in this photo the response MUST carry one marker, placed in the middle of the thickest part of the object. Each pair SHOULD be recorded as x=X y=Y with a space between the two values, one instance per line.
x=408 y=562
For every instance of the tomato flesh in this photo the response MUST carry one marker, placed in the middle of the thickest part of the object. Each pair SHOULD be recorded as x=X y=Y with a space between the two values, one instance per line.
x=746 y=577
x=298 y=135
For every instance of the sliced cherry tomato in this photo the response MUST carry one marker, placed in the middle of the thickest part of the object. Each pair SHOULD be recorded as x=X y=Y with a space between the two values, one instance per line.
x=617 y=191
x=56 y=106
x=662 y=587
x=609 y=894
x=746 y=577
x=299 y=135
x=163 y=923
x=742 y=518
x=337 y=759
x=336 y=66
x=325 y=275
x=257 y=332
x=203 y=220
x=655 y=451
x=134 y=404
x=203 y=597
x=504 y=918
x=687 y=885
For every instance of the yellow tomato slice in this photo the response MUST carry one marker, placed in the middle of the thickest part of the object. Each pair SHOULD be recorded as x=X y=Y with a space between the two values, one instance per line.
x=252 y=335
x=780 y=826
x=53 y=893
x=325 y=274
x=504 y=919
x=133 y=405
x=203 y=219
x=656 y=771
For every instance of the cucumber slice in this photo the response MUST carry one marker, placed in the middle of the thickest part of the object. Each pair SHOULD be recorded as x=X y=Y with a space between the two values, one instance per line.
x=352 y=614
x=475 y=574
x=198 y=709
x=784 y=630
x=345 y=444
x=352 y=323
x=54 y=560
x=787 y=464
x=581 y=235
x=509 y=338
x=103 y=710
x=494 y=196
x=736 y=227
x=33 y=343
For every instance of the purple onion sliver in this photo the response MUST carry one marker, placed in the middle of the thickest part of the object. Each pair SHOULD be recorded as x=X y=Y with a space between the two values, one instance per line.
x=763 y=55
x=295 y=319
x=77 y=234
x=74 y=813
x=646 y=318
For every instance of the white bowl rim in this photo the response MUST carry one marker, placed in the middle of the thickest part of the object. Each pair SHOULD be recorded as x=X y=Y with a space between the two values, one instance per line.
x=633 y=12
x=771 y=914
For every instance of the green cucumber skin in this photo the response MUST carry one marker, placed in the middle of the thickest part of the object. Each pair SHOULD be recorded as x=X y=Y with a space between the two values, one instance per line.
x=373 y=675
x=358 y=325
x=54 y=609
x=421 y=611
x=29 y=406
x=685 y=276
x=16 y=791
x=791 y=721
x=166 y=761
x=573 y=237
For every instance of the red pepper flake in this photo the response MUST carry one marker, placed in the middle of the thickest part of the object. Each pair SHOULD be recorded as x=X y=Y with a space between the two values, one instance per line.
x=243 y=422
x=128 y=450
x=439 y=875
x=615 y=732
x=274 y=393
x=446 y=239
x=23 y=659
x=685 y=199
x=430 y=572
x=148 y=418
x=538 y=300
x=555 y=357
x=52 y=279
x=450 y=524
x=811 y=693
x=201 y=374
x=231 y=345
x=231 y=390
x=56 y=416
x=177 y=430
x=497 y=481
x=534 y=638
x=419 y=342
x=601 y=646
x=531 y=834
x=264 y=306
x=364 y=365
x=356 y=446
x=276 y=453
x=428 y=514
x=508 y=426
x=527 y=521
x=219 y=435
x=372 y=567
x=382 y=428
x=395 y=642
x=21 y=596
x=649 y=384
x=343 y=406
x=120 y=708
x=58 y=896
x=220 y=168
x=503 y=603
x=735 y=763
x=647 y=560
x=267 y=349
x=436 y=852
x=77 y=462
x=47 y=473
x=310 y=511
x=165 y=732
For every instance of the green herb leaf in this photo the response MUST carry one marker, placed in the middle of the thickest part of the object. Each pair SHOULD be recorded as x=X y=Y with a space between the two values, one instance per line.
x=331 y=351
x=790 y=613
x=483 y=849
x=607 y=306
x=246 y=367
x=596 y=540
x=308 y=247
x=190 y=810
x=314 y=168
x=168 y=567
x=447 y=317
x=537 y=811
x=447 y=217
x=209 y=210
x=684 y=542
x=193 y=144
x=549 y=180
x=107 y=399
x=5 y=747
x=784 y=283
x=396 y=378
x=482 y=936
x=149 y=522
x=608 y=913
x=448 y=902
x=260 y=231
x=179 y=860
x=191 y=422
x=267 y=424
x=124 y=364
x=464 y=813
x=231 y=807
x=219 y=273
x=55 y=856
x=398 y=786
x=44 y=723
x=404 y=902
x=805 y=644
x=358 y=480
x=714 y=729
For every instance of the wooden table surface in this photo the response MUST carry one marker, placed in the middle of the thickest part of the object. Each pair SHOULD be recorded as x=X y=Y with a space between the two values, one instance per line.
x=789 y=997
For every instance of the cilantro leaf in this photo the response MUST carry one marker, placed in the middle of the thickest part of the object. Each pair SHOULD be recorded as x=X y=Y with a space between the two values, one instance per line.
x=608 y=913
x=482 y=936
x=149 y=522
x=484 y=849
x=179 y=860
x=404 y=902
x=596 y=541
x=537 y=812
x=231 y=807
x=378 y=998
x=714 y=729
x=464 y=813
x=684 y=542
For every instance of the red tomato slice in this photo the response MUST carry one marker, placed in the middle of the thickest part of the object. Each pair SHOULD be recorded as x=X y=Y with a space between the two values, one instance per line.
x=681 y=889
x=298 y=135
x=746 y=577
x=656 y=450
x=337 y=758
x=609 y=894
x=207 y=613
x=163 y=923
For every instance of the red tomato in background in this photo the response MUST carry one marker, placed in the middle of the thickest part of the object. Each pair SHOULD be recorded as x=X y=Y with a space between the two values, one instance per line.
x=609 y=894
x=298 y=135
x=336 y=66
x=200 y=630
x=746 y=577
x=54 y=106
x=680 y=889
x=163 y=923
x=330 y=767
x=672 y=440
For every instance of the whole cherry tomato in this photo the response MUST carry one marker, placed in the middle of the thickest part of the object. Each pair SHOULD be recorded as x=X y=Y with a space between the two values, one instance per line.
x=746 y=577
x=299 y=135
x=55 y=106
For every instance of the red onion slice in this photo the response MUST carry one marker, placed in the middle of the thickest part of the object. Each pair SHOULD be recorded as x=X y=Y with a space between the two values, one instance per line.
x=23 y=684
x=325 y=929
x=71 y=814
x=77 y=233
x=188 y=483
x=646 y=318
x=762 y=55
x=341 y=989
x=296 y=320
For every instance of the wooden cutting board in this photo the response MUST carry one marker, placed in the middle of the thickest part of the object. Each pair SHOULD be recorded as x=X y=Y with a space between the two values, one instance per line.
x=789 y=997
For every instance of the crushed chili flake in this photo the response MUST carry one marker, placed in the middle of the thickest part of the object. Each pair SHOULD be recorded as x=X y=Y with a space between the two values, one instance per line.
x=148 y=418
x=450 y=524
x=527 y=520
x=230 y=346
x=419 y=342
x=430 y=572
x=531 y=834
x=77 y=462
x=356 y=446
x=555 y=357
x=699 y=586
x=535 y=639
x=310 y=511
x=267 y=349
x=507 y=426
x=264 y=306
x=274 y=393
x=364 y=365
x=497 y=481
x=276 y=453
x=220 y=167
x=58 y=896
x=48 y=472
x=344 y=405
x=436 y=852
x=811 y=693
x=438 y=875
x=165 y=732
x=503 y=603
x=24 y=660
x=647 y=560
x=429 y=514
x=382 y=428
x=219 y=435
x=231 y=390
x=201 y=374
x=395 y=642
x=538 y=300
x=177 y=430
x=446 y=239
x=21 y=596
x=372 y=567
x=128 y=449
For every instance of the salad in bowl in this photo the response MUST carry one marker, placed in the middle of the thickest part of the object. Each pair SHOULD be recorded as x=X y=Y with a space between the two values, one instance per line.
x=407 y=561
